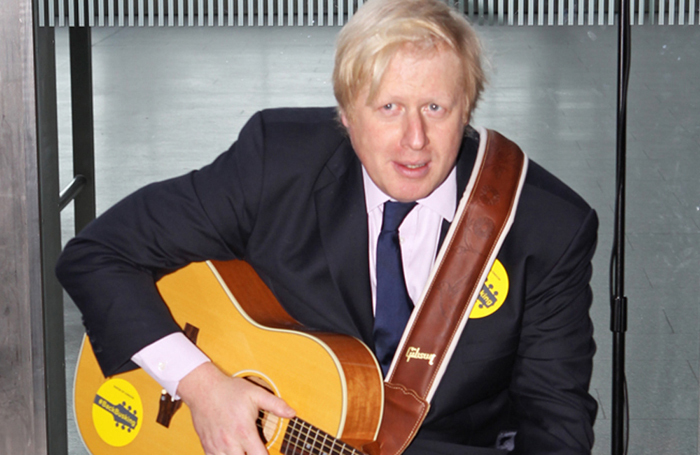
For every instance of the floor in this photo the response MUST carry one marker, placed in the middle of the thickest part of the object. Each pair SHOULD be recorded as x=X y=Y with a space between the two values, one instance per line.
x=168 y=100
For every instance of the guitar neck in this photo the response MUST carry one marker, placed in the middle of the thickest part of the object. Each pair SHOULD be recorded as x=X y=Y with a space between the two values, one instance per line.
x=302 y=438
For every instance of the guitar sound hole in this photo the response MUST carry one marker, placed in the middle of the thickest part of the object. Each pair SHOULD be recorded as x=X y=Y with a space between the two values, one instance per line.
x=268 y=424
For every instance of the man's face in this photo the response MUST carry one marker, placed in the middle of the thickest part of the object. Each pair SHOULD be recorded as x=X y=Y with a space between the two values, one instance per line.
x=408 y=137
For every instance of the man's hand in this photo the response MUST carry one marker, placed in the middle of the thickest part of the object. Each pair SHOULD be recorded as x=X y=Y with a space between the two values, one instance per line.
x=224 y=410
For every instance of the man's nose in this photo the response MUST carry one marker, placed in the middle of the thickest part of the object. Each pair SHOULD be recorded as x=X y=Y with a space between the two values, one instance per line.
x=414 y=135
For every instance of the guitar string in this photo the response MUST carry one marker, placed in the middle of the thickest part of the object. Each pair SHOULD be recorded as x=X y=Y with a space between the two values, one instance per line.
x=330 y=449
x=304 y=446
x=303 y=429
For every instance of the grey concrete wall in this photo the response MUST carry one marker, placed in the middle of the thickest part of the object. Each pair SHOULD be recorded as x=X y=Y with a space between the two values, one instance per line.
x=25 y=259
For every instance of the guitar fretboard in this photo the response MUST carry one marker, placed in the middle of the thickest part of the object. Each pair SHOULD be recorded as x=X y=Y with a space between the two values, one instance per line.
x=302 y=438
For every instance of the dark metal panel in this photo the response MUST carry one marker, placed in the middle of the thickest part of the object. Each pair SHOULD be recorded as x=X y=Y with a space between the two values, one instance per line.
x=83 y=123
x=50 y=235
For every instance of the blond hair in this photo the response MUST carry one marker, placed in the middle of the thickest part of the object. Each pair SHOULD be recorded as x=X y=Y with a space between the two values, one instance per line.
x=380 y=28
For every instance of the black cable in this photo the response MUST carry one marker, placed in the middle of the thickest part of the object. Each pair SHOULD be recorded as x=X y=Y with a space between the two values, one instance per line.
x=627 y=419
x=618 y=302
x=625 y=394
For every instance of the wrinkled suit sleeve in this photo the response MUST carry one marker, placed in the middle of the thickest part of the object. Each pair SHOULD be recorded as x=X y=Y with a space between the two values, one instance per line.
x=111 y=267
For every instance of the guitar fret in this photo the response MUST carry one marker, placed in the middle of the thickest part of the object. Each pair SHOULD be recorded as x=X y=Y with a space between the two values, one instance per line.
x=335 y=450
x=306 y=447
x=289 y=445
x=310 y=448
x=323 y=444
x=302 y=438
x=315 y=450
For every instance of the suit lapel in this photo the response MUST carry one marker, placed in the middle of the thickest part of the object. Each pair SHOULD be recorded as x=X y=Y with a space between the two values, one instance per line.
x=466 y=159
x=465 y=165
x=342 y=219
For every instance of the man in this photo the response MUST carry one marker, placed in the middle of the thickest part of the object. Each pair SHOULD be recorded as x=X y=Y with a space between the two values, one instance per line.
x=301 y=198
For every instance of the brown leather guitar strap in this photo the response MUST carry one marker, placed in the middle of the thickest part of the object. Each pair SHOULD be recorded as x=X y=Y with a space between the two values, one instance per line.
x=482 y=221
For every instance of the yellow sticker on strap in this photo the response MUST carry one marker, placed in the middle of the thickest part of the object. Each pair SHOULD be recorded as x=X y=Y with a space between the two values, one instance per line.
x=493 y=293
x=117 y=412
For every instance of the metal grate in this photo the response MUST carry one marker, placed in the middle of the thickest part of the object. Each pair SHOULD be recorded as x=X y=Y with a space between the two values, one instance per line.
x=100 y=13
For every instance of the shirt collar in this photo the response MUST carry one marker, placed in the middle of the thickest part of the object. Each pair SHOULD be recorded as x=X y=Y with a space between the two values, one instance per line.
x=443 y=200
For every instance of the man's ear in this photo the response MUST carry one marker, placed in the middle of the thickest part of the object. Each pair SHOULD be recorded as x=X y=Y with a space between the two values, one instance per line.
x=344 y=118
x=467 y=113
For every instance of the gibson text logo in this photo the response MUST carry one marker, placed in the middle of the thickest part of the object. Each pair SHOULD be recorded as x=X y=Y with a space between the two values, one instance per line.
x=414 y=353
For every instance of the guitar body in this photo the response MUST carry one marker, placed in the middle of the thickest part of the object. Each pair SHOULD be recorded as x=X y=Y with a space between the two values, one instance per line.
x=332 y=381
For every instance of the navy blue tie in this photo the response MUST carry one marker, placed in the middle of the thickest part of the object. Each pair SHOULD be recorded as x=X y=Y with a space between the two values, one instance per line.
x=394 y=306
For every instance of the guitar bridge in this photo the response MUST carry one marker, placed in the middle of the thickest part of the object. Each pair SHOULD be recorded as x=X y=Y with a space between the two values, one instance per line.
x=168 y=406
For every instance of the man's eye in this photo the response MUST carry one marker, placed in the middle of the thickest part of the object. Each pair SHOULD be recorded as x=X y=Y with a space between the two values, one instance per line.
x=388 y=106
x=434 y=107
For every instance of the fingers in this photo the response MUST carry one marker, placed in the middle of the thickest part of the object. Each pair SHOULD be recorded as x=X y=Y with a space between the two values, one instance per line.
x=269 y=402
x=225 y=410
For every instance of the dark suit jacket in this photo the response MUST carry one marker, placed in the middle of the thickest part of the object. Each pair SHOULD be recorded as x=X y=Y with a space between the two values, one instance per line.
x=288 y=198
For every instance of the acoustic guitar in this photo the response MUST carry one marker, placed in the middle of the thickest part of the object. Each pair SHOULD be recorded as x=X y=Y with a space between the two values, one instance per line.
x=332 y=381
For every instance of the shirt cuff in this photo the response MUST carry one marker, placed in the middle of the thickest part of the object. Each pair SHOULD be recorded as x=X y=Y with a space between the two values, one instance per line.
x=170 y=359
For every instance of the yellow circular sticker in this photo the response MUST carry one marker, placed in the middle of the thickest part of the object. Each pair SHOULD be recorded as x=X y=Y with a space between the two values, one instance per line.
x=493 y=293
x=117 y=412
